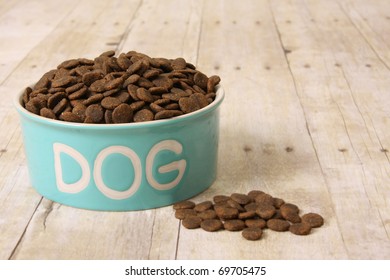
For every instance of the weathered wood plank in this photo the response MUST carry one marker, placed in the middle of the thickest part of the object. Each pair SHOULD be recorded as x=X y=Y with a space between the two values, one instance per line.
x=340 y=97
x=264 y=140
x=93 y=35
x=23 y=24
x=305 y=118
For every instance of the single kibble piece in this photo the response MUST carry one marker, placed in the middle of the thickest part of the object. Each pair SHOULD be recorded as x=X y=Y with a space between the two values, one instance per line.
x=241 y=198
x=290 y=213
x=143 y=115
x=122 y=114
x=220 y=198
x=234 y=225
x=258 y=223
x=264 y=198
x=252 y=233
x=208 y=214
x=313 y=219
x=278 y=225
x=183 y=213
x=278 y=202
x=265 y=211
x=251 y=206
x=247 y=215
x=186 y=204
x=300 y=228
x=226 y=213
x=234 y=204
x=252 y=194
x=191 y=222
x=203 y=206
x=211 y=225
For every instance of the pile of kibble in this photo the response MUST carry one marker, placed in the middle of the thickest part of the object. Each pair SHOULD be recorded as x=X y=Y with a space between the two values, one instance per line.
x=132 y=87
x=250 y=213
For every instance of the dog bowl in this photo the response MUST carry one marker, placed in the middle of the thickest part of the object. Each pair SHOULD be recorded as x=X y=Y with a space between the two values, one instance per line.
x=121 y=167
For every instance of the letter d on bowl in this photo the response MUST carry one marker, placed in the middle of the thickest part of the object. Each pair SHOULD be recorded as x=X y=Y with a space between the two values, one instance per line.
x=82 y=183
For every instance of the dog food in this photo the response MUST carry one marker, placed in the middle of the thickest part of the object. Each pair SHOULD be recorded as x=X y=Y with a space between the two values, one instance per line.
x=211 y=225
x=250 y=213
x=252 y=233
x=132 y=87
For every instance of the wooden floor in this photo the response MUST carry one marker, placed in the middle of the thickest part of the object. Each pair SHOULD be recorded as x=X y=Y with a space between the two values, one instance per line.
x=306 y=117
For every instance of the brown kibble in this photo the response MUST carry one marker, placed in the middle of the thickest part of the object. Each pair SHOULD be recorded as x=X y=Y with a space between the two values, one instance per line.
x=211 y=225
x=220 y=198
x=234 y=225
x=238 y=212
x=234 y=204
x=70 y=117
x=313 y=219
x=74 y=88
x=114 y=84
x=78 y=93
x=122 y=114
x=265 y=211
x=212 y=82
x=35 y=105
x=110 y=102
x=226 y=213
x=278 y=202
x=183 y=213
x=155 y=87
x=98 y=86
x=144 y=95
x=247 y=215
x=79 y=110
x=60 y=107
x=95 y=113
x=259 y=223
x=291 y=207
x=186 y=204
x=191 y=222
x=47 y=113
x=207 y=214
x=278 y=224
x=264 y=198
x=55 y=99
x=251 y=206
x=108 y=116
x=64 y=81
x=240 y=198
x=179 y=63
x=163 y=81
x=201 y=80
x=252 y=233
x=96 y=98
x=166 y=114
x=252 y=194
x=143 y=115
x=200 y=99
x=90 y=77
x=187 y=104
x=290 y=212
x=300 y=228
x=203 y=206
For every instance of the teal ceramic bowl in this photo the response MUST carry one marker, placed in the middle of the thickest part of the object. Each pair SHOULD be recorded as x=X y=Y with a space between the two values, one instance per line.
x=121 y=167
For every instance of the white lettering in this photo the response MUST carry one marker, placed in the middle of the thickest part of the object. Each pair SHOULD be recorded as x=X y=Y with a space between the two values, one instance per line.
x=97 y=174
x=179 y=165
x=82 y=183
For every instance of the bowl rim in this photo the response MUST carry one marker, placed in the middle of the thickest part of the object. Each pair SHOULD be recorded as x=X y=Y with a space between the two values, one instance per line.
x=220 y=94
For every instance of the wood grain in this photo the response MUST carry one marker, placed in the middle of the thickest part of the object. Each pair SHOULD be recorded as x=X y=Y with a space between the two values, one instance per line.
x=305 y=118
